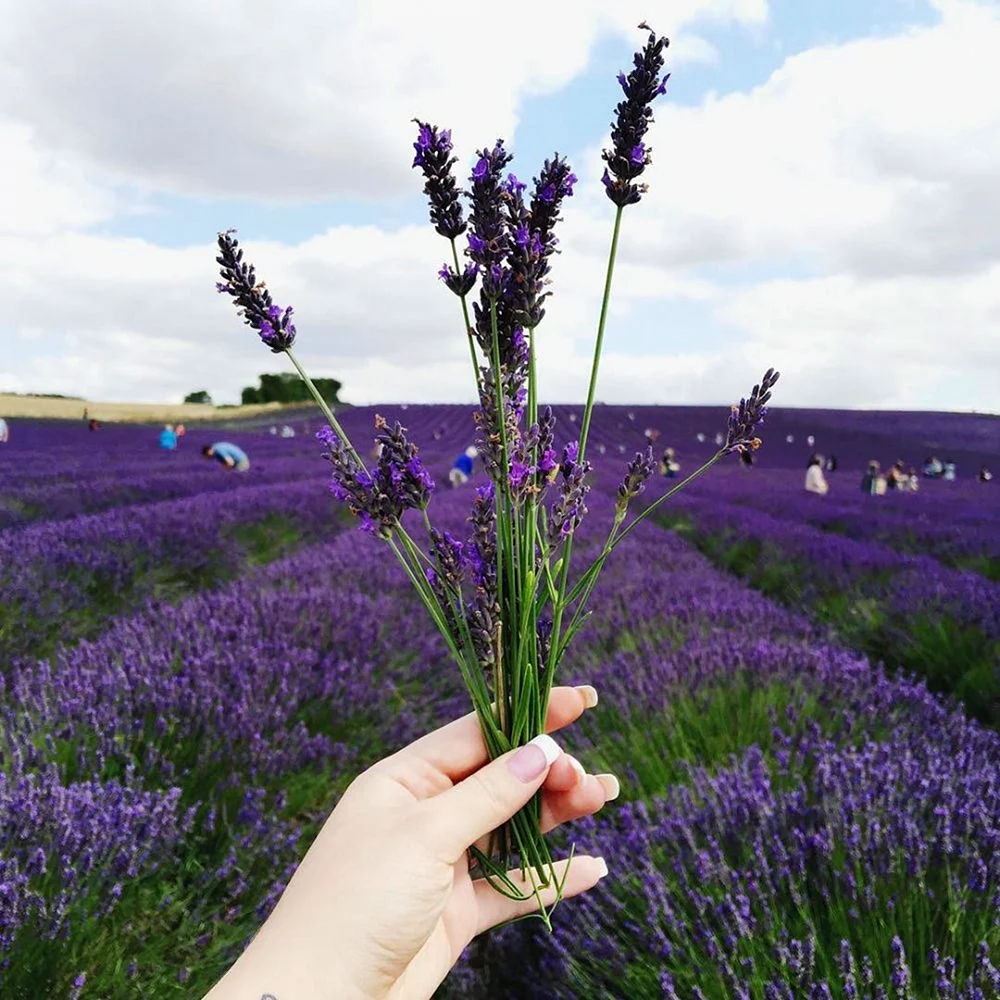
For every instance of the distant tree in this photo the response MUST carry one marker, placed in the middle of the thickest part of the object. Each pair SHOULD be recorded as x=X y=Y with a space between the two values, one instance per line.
x=287 y=387
x=200 y=396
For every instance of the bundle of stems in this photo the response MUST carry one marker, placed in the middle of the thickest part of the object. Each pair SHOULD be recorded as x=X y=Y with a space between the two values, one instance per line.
x=502 y=599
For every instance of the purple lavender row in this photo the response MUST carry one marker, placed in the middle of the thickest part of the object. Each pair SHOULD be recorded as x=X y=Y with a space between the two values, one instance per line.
x=52 y=573
x=319 y=629
x=956 y=528
x=908 y=585
x=62 y=500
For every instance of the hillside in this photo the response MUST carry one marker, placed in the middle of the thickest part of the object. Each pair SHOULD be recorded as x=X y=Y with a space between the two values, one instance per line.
x=51 y=408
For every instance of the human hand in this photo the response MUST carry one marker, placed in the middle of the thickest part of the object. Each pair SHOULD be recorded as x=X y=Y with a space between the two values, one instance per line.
x=383 y=903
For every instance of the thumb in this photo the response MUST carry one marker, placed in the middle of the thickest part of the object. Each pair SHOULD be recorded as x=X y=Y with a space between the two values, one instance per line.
x=489 y=797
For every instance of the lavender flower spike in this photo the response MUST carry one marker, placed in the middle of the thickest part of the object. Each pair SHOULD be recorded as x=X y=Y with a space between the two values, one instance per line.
x=253 y=300
x=460 y=283
x=630 y=156
x=639 y=470
x=433 y=156
x=749 y=414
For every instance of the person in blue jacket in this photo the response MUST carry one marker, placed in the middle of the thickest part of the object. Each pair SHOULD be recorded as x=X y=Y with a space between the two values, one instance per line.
x=462 y=468
x=168 y=438
x=228 y=455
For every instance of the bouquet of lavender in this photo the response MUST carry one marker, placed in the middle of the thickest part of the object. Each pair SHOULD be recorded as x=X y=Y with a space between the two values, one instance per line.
x=502 y=599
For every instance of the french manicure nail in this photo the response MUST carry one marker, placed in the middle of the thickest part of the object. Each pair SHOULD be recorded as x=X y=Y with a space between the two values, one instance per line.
x=612 y=788
x=534 y=758
x=589 y=693
x=581 y=773
x=602 y=868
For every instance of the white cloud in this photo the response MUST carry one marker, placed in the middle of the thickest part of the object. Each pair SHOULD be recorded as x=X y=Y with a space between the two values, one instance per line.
x=868 y=166
x=874 y=157
x=249 y=97
x=41 y=192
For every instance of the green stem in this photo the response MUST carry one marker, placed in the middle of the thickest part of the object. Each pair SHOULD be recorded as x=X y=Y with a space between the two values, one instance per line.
x=599 y=344
x=717 y=457
x=584 y=432
x=465 y=316
x=324 y=406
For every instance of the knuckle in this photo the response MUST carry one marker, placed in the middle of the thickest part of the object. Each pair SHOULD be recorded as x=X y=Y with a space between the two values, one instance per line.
x=489 y=794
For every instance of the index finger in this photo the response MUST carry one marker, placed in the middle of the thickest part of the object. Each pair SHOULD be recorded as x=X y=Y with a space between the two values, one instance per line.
x=457 y=749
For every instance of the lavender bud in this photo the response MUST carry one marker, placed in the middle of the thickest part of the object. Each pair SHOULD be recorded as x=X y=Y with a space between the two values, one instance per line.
x=629 y=155
x=433 y=157
x=460 y=284
x=252 y=299
x=747 y=416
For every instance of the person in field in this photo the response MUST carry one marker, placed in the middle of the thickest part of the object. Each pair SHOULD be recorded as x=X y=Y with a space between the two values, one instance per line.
x=896 y=478
x=669 y=466
x=228 y=455
x=93 y=424
x=180 y=430
x=869 y=481
x=985 y=475
x=950 y=472
x=912 y=481
x=168 y=438
x=462 y=467
x=4 y=431
x=933 y=467
x=815 y=480
x=831 y=464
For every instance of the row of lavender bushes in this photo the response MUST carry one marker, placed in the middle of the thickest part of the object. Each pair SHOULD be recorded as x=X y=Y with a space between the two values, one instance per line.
x=160 y=781
x=908 y=611
x=958 y=524
x=61 y=580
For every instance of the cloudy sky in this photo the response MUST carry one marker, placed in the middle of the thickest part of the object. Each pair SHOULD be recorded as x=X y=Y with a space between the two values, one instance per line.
x=824 y=195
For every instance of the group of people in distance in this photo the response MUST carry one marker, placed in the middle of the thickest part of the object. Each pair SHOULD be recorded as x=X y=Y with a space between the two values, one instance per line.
x=170 y=436
x=899 y=478
x=229 y=456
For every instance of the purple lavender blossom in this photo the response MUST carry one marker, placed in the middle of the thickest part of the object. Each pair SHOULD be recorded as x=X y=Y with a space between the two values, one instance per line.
x=378 y=498
x=460 y=284
x=433 y=156
x=532 y=239
x=252 y=299
x=569 y=509
x=629 y=156
x=639 y=470
x=747 y=416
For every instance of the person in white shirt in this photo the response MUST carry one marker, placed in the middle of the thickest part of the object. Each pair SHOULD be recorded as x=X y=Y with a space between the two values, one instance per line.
x=815 y=480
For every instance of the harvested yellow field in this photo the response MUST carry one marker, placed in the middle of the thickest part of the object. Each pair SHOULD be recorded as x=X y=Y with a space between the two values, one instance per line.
x=42 y=408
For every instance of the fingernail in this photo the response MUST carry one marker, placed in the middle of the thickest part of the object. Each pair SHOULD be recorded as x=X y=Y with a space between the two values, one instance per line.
x=534 y=758
x=589 y=693
x=581 y=774
x=612 y=788
x=602 y=868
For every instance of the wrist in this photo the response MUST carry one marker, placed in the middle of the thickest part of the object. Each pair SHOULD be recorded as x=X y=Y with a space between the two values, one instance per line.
x=280 y=966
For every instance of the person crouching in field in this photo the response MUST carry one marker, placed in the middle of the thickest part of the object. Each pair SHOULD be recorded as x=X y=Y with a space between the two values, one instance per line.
x=4 y=431
x=228 y=455
x=462 y=468
x=815 y=480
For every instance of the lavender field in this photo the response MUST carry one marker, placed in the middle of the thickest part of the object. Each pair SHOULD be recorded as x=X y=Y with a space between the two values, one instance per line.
x=800 y=693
